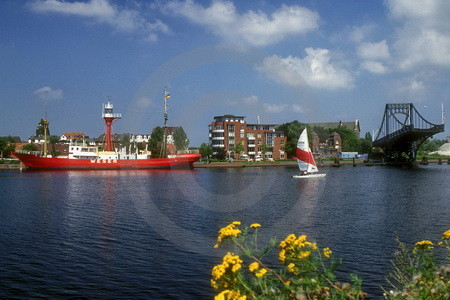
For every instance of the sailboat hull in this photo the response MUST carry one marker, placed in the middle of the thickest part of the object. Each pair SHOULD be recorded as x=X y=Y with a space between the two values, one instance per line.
x=309 y=176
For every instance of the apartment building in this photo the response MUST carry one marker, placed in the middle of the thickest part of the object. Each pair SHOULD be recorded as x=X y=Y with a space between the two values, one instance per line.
x=258 y=140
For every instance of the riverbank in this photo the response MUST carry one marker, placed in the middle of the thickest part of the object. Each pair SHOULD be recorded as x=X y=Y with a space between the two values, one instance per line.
x=9 y=166
x=242 y=164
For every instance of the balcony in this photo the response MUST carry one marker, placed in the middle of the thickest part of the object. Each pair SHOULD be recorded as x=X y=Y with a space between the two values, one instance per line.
x=109 y=115
x=251 y=138
x=231 y=134
x=218 y=146
x=218 y=138
x=251 y=145
x=217 y=130
x=251 y=153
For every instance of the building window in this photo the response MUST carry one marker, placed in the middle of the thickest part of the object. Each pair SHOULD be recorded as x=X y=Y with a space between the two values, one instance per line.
x=259 y=135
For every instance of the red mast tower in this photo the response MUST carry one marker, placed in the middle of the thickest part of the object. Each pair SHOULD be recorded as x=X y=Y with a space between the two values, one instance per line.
x=109 y=117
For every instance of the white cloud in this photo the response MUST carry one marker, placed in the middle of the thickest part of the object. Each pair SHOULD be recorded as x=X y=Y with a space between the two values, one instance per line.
x=103 y=12
x=374 y=67
x=298 y=108
x=409 y=89
x=424 y=38
x=360 y=33
x=315 y=70
x=144 y=102
x=253 y=27
x=251 y=100
x=275 y=108
x=373 y=50
x=282 y=107
x=47 y=93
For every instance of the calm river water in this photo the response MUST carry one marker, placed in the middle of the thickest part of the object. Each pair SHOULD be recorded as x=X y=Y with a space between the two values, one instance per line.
x=150 y=234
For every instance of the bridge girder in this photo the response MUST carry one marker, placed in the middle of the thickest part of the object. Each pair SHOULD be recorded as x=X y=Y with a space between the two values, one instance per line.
x=401 y=145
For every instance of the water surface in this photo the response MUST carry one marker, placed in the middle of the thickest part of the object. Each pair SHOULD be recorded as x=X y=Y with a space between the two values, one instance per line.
x=149 y=234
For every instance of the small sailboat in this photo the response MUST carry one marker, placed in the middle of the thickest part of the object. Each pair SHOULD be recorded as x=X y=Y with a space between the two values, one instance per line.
x=305 y=159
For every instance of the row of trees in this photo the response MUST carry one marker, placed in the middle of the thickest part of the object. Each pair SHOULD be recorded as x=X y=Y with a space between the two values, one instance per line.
x=350 y=141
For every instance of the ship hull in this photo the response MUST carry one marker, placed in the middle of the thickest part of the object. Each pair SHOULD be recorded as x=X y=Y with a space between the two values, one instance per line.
x=34 y=162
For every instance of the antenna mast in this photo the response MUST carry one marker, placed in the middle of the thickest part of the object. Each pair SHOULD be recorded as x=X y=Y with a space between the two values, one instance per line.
x=164 y=150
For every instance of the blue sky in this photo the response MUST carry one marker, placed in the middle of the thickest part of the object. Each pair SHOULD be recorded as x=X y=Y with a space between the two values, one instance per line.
x=312 y=61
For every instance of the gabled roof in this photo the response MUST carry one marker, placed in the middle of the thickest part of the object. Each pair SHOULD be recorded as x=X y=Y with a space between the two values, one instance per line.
x=74 y=135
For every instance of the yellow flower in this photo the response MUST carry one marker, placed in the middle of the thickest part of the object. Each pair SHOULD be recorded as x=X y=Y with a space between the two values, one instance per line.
x=255 y=225
x=424 y=245
x=291 y=267
x=253 y=266
x=303 y=255
x=282 y=255
x=228 y=232
x=236 y=268
x=223 y=274
x=446 y=235
x=327 y=252
x=261 y=272
x=230 y=295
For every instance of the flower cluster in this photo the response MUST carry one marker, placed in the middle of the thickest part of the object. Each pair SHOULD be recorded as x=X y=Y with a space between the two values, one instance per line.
x=423 y=245
x=327 y=252
x=418 y=273
x=304 y=274
x=254 y=268
x=227 y=232
x=293 y=248
x=224 y=274
x=230 y=294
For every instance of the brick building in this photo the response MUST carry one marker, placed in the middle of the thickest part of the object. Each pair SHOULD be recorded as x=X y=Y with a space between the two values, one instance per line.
x=258 y=140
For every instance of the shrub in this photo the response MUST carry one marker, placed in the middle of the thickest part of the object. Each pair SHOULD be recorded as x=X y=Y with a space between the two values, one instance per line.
x=305 y=270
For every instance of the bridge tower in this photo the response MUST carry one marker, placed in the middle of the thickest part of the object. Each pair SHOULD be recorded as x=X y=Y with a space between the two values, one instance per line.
x=402 y=131
x=109 y=116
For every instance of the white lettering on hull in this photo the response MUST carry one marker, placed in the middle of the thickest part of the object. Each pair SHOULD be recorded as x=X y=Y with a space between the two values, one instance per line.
x=103 y=161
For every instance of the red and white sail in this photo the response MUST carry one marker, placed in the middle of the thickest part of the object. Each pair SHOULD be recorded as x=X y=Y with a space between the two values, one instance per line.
x=304 y=155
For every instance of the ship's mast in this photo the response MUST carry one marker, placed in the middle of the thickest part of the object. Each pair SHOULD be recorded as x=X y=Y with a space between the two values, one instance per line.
x=109 y=117
x=164 y=150
x=45 y=125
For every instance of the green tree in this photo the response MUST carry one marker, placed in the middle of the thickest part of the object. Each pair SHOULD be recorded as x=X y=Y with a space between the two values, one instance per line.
x=292 y=132
x=40 y=128
x=30 y=147
x=180 y=139
x=350 y=141
x=221 y=154
x=156 y=141
x=430 y=145
x=7 y=145
x=265 y=148
x=239 y=148
x=321 y=132
x=53 y=140
x=368 y=136
x=206 y=151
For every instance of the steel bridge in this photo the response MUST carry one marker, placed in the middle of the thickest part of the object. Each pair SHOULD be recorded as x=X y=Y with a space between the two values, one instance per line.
x=402 y=131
